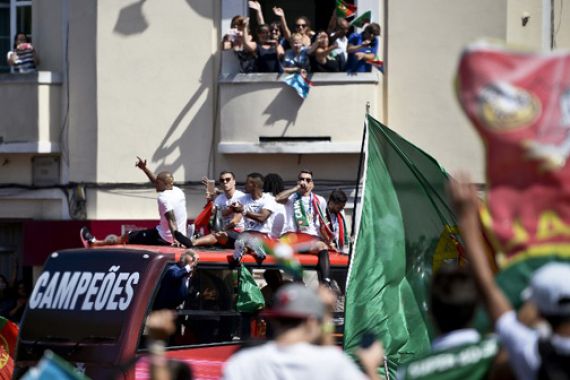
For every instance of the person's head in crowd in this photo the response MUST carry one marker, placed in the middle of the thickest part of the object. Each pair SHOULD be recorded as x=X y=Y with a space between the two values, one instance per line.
x=342 y=27
x=323 y=40
x=296 y=42
x=237 y=22
x=20 y=41
x=228 y=181
x=189 y=257
x=371 y=31
x=164 y=181
x=254 y=183
x=305 y=181
x=337 y=201
x=273 y=277
x=275 y=31
x=296 y=307
x=549 y=291
x=273 y=184
x=263 y=34
x=454 y=298
x=303 y=25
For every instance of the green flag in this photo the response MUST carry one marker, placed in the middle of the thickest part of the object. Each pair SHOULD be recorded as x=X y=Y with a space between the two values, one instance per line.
x=403 y=231
x=361 y=20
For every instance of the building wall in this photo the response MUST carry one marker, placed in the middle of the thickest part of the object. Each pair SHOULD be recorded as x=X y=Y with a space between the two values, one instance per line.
x=425 y=40
x=143 y=80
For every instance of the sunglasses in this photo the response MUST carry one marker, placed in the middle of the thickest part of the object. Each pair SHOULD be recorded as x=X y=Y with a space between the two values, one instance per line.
x=301 y=25
x=224 y=180
x=306 y=179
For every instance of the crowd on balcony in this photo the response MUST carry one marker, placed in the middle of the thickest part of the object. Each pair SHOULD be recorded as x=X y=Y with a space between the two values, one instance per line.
x=274 y=48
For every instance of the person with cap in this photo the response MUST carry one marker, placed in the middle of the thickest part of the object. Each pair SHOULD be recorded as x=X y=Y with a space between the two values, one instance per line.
x=172 y=211
x=531 y=356
x=296 y=316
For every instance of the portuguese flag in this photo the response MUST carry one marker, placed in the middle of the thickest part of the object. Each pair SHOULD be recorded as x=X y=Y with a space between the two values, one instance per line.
x=403 y=233
x=344 y=9
x=8 y=338
x=519 y=103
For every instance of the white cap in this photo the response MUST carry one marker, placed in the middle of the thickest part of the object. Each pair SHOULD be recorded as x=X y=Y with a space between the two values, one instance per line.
x=550 y=289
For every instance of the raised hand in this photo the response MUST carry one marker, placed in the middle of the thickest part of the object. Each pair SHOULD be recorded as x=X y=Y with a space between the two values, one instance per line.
x=254 y=5
x=141 y=164
x=278 y=12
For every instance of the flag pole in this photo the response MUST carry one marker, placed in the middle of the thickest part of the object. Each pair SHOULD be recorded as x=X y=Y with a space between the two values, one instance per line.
x=358 y=174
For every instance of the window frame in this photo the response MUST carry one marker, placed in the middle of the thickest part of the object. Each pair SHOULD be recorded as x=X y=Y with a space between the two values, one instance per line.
x=14 y=6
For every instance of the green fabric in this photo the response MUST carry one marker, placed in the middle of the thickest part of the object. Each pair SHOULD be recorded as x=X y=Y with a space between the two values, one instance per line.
x=249 y=297
x=362 y=19
x=299 y=212
x=472 y=361
x=403 y=212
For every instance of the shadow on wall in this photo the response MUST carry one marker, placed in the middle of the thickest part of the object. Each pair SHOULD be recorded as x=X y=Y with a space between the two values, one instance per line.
x=284 y=107
x=193 y=135
x=131 y=19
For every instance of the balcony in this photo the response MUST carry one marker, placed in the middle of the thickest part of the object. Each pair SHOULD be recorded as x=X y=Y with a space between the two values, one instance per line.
x=31 y=112
x=260 y=114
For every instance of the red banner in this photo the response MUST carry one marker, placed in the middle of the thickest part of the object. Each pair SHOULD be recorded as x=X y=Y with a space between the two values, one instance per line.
x=519 y=102
x=8 y=337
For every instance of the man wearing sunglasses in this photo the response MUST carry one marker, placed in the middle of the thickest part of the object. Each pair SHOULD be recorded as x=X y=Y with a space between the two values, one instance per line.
x=305 y=216
x=231 y=222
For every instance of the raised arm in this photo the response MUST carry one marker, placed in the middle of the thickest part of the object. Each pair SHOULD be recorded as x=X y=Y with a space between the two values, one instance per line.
x=332 y=22
x=141 y=164
x=285 y=194
x=257 y=7
x=248 y=42
x=466 y=204
x=281 y=14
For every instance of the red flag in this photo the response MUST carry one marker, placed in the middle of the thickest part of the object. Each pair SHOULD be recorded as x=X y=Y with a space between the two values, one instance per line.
x=202 y=221
x=8 y=338
x=519 y=102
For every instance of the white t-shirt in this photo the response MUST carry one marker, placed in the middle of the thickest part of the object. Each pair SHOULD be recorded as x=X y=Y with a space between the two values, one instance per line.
x=521 y=344
x=171 y=200
x=292 y=362
x=314 y=223
x=266 y=202
x=222 y=202
x=278 y=222
x=342 y=44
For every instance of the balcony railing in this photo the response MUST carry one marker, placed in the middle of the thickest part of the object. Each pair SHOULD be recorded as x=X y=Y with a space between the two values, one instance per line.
x=31 y=112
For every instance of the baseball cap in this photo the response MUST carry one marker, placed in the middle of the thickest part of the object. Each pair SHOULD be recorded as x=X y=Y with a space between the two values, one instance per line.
x=295 y=301
x=550 y=289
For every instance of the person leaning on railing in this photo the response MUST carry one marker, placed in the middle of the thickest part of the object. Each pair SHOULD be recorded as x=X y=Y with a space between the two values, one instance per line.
x=23 y=58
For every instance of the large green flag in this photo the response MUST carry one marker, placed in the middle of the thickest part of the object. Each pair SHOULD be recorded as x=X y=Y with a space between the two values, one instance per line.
x=404 y=229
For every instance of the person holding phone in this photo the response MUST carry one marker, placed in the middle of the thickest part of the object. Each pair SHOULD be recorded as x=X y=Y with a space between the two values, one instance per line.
x=362 y=47
x=231 y=222
x=23 y=58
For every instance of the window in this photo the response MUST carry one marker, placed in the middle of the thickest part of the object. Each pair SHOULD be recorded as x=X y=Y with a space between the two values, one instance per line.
x=15 y=16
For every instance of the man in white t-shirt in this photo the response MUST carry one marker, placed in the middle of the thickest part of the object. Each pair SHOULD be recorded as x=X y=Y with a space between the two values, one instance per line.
x=231 y=222
x=305 y=215
x=297 y=316
x=172 y=211
x=257 y=209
